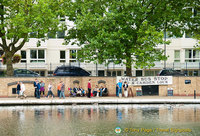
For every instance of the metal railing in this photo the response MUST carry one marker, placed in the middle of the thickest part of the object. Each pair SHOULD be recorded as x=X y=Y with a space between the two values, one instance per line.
x=95 y=68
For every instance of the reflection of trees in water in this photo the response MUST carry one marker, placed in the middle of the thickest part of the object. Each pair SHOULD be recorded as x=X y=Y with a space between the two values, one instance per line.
x=150 y=113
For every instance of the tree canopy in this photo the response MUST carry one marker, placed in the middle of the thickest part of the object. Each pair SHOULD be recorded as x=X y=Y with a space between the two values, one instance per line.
x=127 y=31
x=19 y=18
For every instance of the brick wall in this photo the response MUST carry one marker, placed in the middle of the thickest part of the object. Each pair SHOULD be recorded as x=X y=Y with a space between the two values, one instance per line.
x=179 y=86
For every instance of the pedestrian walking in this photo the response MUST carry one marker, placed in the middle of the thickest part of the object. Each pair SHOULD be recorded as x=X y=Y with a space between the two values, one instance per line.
x=89 y=88
x=35 y=86
x=22 y=90
x=62 y=90
x=18 y=89
x=42 y=88
x=59 y=88
x=37 y=90
x=50 y=90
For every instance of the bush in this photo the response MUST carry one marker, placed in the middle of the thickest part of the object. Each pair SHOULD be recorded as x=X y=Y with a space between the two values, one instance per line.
x=15 y=59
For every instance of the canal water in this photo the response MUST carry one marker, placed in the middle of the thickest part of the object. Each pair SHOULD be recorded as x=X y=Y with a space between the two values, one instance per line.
x=100 y=120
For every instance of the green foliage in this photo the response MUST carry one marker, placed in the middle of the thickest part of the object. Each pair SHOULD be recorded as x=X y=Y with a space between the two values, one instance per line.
x=23 y=19
x=126 y=31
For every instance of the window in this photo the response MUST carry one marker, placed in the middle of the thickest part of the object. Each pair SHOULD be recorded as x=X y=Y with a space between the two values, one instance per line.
x=60 y=34
x=62 y=56
x=37 y=56
x=23 y=56
x=73 y=55
x=101 y=73
x=33 y=35
x=119 y=73
x=192 y=55
x=188 y=35
x=151 y=72
x=177 y=56
x=197 y=12
x=51 y=35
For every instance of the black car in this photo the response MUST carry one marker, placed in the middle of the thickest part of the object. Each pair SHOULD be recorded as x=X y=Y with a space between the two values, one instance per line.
x=25 y=73
x=170 y=72
x=70 y=71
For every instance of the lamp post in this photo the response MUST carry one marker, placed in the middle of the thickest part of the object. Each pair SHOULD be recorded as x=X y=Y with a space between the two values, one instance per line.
x=97 y=63
x=165 y=34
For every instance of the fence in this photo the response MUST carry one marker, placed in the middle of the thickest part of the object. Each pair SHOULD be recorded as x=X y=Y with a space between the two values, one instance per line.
x=107 y=70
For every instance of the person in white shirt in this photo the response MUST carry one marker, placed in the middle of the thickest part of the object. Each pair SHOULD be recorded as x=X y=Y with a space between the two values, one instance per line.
x=50 y=88
x=22 y=95
x=125 y=86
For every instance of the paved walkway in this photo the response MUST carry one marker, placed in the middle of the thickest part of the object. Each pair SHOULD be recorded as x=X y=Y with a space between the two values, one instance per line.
x=101 y=100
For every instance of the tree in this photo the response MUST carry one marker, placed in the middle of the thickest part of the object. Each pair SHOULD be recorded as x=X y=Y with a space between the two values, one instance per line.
x=19 y=18
x=125 y=31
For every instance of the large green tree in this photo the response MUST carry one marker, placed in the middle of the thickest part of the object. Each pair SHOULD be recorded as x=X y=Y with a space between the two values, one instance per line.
x=126 y=31
x=18 y=18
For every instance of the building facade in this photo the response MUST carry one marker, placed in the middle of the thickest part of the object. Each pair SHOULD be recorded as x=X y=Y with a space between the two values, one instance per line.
x=44 y=59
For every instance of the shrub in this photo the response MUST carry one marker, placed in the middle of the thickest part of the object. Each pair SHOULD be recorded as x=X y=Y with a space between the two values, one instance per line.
x=15 y=59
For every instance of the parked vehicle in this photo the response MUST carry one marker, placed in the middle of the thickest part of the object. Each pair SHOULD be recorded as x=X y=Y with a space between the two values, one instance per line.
x=170 y=72
x=70 y=71
x=25 y=73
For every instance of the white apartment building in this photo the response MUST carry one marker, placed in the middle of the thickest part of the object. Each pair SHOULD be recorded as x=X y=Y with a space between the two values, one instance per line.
x=52 y=53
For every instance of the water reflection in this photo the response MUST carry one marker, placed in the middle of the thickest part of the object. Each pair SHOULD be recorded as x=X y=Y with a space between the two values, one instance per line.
x=97 y=120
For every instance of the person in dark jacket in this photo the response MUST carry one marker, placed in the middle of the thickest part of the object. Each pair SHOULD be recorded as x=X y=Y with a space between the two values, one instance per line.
x=35 y=86
x=18 y=89
x=117 y=91
x=38 y=89
x=125 y=86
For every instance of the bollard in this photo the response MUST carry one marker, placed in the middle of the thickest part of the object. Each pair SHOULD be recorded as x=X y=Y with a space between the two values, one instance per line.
x=194 y=94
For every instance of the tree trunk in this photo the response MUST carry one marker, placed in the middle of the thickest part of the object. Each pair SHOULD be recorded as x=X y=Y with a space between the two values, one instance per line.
x=9 y=64
x=128 y=70
x=128 y=66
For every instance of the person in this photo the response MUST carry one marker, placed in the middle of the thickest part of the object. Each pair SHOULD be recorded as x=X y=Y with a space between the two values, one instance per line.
x=117 y=91
x=79 y=91
x=42 y=89
x=105 y=91
x=75 y=90
x=82 y=91
x=59 y=88
x=37 y=90
x=18 y=89
x=62 y=90
x=22 y=90
x=125 y=86
x=119 y=85
x=35 y=86
x=89 y=88
x=101 y=91
x=50 y=90
x=96 y=91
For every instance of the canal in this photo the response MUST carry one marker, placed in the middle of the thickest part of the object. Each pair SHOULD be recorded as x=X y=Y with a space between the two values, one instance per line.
x=100 y=120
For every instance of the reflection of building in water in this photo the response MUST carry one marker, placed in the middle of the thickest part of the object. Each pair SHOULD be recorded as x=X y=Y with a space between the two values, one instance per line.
x=167 y=113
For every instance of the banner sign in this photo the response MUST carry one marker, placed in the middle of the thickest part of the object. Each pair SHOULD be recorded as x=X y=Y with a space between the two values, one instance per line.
x=150 y=80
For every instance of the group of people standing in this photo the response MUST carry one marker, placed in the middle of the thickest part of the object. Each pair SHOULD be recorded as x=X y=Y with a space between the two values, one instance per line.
x=119 y=89
x=96 y=91
x=40 y=90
